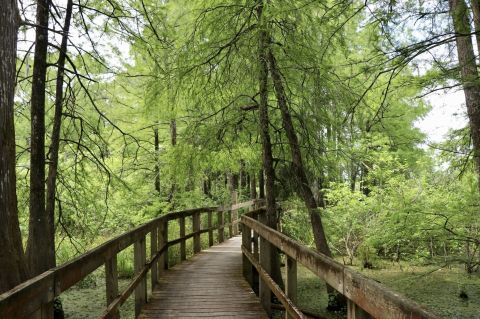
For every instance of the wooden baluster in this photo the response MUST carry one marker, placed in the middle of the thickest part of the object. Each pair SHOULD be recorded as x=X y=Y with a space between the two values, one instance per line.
x=111 y=284
x=220 y=226
x=196 y=228
x=183 y=250
x=153 y=252
x=162 y=241
x=210 y=230
x=230 y=224
x=291 y=282
x=139 y=249
x=247 y=244
x=355 y=312
x=266 y=262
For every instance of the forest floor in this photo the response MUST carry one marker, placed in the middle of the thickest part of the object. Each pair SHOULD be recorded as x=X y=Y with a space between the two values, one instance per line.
x=437 y=288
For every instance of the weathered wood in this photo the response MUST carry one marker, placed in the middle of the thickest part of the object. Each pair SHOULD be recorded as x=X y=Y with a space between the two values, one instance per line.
x=111 y=284
x=355 y=312
x=266 y=265
x=163 y=242
x=290 y=307
x=139 y=262
x=376 y=299
x=209 y=285
x=220 y=226
x=230 y=224
x=246 y=264
x=153 y=251
x=196 y=230
x=183 y=250
x=291 y=282
x=210 y=229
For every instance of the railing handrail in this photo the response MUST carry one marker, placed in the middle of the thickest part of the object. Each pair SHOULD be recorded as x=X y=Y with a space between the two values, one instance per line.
x=29 y=296
x=376 y=299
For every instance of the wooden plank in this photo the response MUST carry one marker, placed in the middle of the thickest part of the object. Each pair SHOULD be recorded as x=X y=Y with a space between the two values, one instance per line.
x=153 y=251
x=209 y=285
x=246 y=264
x=355 y=312
x=111 y=284
x=183 y=250
x=290 y=307
x=163 y=242
x=139 y=263
x=196 y=232
x=210 y=229
x=291 y=282
x=220 y=226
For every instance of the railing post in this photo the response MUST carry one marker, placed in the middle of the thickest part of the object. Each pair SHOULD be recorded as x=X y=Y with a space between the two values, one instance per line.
x=210 y=230
x=355 y=312
x=220 y=226
x=247 y=244
x=139 y=262
x=230 y=224
x=291 y=284
x=153 y=252
x=196 y=237
x=111 y=283
x=183 y=250
x=163 y=241
x=266 y=262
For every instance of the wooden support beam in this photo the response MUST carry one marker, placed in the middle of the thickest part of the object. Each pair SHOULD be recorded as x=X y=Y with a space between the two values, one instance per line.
x=210 y=230
x=153 y=251
x=196 y=230
x=139 y=262
x=183 y=250
x=355 y=312
x=220 y=222
x=247 y=245
x=266 y=263
x=291 y=282
x=111 y=284
x=230 y=224
x=163 y=241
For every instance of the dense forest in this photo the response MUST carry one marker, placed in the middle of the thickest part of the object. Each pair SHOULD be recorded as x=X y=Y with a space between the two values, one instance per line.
x=115 y=112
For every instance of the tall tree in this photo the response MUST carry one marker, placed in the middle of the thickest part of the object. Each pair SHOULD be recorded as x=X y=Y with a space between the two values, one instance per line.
x=40 y=252
x=13 y=268
x=469 y=72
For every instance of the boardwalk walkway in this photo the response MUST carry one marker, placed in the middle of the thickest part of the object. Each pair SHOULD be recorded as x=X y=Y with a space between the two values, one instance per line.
x=209 y=285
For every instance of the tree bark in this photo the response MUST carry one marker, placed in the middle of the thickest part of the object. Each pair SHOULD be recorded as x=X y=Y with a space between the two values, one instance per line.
x=57 y=123
x=304 y=190
x=476 y=21
x=336 y=301
x=469 y=73
x=253 y=187
x=157 y=167
x=261 y=184
x=13 y=268
x=40 y=247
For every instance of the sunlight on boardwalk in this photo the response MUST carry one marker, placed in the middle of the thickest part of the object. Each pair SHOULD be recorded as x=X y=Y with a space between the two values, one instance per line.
x=210 y=285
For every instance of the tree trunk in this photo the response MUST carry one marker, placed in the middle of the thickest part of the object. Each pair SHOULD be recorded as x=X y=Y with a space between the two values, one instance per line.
x=300 y=177
x=261 y=184
x=157 y=167
x=336 y=301
x=469 y=73
x=57 y=122
x=40 y=246
x=271 y=219
x=12 y=259
x=476 y=20
x=253 y=187
x=173 y=138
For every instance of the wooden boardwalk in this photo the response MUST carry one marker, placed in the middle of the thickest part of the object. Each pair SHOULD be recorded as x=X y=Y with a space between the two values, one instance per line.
x=209 y=285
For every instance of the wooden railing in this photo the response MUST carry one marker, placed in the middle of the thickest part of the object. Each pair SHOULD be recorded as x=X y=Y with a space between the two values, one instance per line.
x=366 y=298
x=33 y=298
